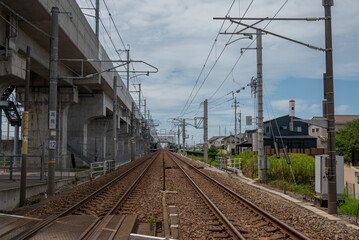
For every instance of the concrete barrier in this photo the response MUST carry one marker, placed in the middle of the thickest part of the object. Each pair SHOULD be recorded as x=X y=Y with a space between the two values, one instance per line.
x=10 y=198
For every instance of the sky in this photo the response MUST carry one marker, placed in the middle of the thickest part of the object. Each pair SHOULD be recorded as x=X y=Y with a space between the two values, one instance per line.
x=177 y=36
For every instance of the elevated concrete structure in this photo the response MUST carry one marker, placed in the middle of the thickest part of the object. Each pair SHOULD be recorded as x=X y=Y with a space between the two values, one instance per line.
x=85 y=105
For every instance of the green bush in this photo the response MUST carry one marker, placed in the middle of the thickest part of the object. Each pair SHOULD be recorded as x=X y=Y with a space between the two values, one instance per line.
x=212 y=152
x=303 y=167
x=349 y=206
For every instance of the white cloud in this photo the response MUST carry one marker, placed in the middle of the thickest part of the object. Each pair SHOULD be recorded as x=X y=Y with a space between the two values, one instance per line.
x=176 y=36
x=342 y=109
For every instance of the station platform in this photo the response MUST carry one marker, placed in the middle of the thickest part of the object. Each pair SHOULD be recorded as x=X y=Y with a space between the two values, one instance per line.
x=10 y=189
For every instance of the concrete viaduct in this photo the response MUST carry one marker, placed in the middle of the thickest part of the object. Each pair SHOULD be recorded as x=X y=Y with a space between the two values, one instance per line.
x=85 y=104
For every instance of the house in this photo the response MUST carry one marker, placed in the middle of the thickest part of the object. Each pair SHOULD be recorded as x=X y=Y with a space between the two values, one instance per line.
x=320 y=132
x=250 y=140
x=217 y=141
x=229 y=144
x=288 y=131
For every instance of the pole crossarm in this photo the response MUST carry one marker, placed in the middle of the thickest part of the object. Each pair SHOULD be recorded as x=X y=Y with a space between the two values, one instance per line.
x=274 y=34
x=124 y=62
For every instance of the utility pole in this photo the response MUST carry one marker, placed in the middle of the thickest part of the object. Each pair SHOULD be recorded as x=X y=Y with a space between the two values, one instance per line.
x=25 y=131
x=54 y=55
x=97 y=17
x=184 y=136
x=329 y=95
x=179 y=139
x=0 y=128
x=260 y=106
x=114 y=119
x=205 y=133
x=128 y=69
x=132 y=132
x=139 y=98
x=240 y=130
x=235 y=125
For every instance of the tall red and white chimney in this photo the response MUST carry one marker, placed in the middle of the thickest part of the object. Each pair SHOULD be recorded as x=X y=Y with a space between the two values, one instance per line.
x=291 y=108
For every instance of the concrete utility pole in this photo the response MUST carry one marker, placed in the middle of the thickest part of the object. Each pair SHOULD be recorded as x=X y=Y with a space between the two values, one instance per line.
x=235 y=125
x=260 y=105
x=0 y=128
x=97 y=17
x=128 y=69
x=54 y=55
x=139 y=98
x=329 y=95
x=25 y=129
x=205 y=131
x=184 y=136
x=133 y=146
x=114 y=119
x=179 y=139
x=240 y=130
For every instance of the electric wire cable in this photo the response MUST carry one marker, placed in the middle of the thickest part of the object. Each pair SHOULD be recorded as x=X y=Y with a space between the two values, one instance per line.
x=217 y=59
x=235 y=64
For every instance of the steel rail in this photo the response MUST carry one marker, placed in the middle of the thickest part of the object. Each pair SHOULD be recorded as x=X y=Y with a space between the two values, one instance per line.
x=96 y=230
x=283 y=226
x=232 y=229
x=37 y=227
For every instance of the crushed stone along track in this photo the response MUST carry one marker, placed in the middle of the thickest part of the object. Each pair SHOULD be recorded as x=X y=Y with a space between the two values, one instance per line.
x=250 y=221
x=157 y=190
x=197 y=220
x=67 y=200
x=90 y=201
x=305 y=221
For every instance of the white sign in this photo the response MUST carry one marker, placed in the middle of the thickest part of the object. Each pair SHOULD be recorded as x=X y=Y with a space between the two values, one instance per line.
x=52 y=120
x=52 y=144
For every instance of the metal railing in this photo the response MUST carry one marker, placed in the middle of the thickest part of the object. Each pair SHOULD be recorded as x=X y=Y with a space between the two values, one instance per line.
x=11 y=165
x=228 y=163
x=101 y=168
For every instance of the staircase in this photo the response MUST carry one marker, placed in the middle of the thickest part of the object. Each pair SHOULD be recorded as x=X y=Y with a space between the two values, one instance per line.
x=79 y=154
x=9 y=107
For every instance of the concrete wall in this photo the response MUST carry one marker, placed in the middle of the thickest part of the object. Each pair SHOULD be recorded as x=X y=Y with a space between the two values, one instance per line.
x=10 y=198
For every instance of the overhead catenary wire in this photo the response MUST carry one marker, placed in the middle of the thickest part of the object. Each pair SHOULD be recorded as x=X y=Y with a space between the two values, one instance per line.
x=110 y=37
x=238 y=59
x=205 y=63
x=216 y=61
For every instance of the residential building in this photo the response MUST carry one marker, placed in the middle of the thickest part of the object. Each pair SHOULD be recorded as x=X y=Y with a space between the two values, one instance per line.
x=229 y=144
x=321 y=133
x=290 y=132
x=217 y=141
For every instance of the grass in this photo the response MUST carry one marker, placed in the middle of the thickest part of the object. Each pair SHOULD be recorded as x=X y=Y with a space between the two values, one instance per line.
x=349 y=206
x=151 y=221
x=303 y=189
x=279 y=171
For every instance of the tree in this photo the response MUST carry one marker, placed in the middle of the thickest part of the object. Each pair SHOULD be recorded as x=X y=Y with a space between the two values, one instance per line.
x=212 y=151
x=347 y=139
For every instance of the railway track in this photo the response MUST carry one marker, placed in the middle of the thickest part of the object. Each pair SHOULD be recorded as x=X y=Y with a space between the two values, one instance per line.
x=109 y=191
x=240 y=218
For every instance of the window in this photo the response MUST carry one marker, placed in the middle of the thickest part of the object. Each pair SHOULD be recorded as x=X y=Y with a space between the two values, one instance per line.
x=267 y=129
x=313 y=130
x=317 y=130
x=283 y=127
x=298 y=129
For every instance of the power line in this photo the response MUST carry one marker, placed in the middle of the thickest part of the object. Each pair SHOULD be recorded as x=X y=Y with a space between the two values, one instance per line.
x=235 y=64
x=202 y=70
x=217 y=59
